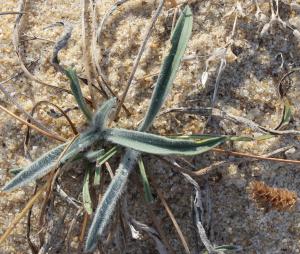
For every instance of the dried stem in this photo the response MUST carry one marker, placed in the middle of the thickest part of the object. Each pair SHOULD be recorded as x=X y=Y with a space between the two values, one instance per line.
x=139 y=55
x=22 y=213
x=85 y=47
x=47 y=134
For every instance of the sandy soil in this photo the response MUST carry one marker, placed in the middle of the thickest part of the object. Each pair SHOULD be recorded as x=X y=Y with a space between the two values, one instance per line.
x=255 y=63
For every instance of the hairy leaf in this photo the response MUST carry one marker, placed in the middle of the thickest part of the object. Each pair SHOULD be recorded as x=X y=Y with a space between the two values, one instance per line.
x=154 y=144
x=147 y=190
x=92 y=156
x=86 y=197
x=36 y=170
x=170 y=66
x=81 y=144
x=106 y=207
x=105 y=157
x=102 y=114
x=109 y=201
x=76 y=90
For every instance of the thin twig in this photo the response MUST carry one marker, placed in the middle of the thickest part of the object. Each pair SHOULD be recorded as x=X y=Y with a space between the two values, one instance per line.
x=11 y=13
x=96 y=33
x=72 y=125
x=218 y=150
x=22 y=213
x=85 y=47
x=16 y=42
x=237 y=119
x=53 y=136
x=13 y=102
x=157 y=223
x=139 y=55
x=33 y=247
x=171 y=215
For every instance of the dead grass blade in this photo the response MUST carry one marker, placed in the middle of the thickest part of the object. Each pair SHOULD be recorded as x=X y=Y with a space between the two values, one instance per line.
x=96 y=68
x=61 y=43
x=72 y=125
x=150 y=205
x=171 y=215
x=33 y=247
x=83 y=227
x=50 y=185
x=11 y=13
x=85 y=28
x=139 y=55
x=258 y=157
x=47 y=134
x=22 y=213
x=16 y=42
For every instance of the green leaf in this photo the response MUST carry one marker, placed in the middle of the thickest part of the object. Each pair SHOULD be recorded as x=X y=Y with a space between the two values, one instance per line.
x=76 y=90
x=100 y=160
x=37 y=169
x=15 y=171
x=105 y=157
x=84 y=141
x=201 y=137
x=227 y=248
x=102 y=114
x=92 y=156
x=179 y=41
x=86 y=197
x=154 y=144
x=147 y=190
x=108 y=203
x=97 y=175
x=286 y=116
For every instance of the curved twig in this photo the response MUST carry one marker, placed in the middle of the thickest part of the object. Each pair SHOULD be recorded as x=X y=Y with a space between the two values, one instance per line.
x=53 y=136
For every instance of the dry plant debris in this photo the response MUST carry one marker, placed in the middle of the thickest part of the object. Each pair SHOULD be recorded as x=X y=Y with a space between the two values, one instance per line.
x=272 y=198
x=242 y=59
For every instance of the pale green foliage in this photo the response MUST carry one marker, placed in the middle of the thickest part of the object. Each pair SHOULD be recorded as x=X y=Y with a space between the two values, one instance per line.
x=168 y=71
x=135 y=141
x=170 y=66
x=76 y=90
x=86 y=197
x=155 y=144
x=37 y=169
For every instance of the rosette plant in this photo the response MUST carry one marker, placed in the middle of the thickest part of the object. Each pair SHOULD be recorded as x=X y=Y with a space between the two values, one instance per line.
x=87 y=145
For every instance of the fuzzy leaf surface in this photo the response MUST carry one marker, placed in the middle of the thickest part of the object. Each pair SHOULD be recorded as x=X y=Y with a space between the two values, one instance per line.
x=109 y=200
x=76 y=90
x=155 y=144
x=179 y=41
x=102 y=114
x=37 y=169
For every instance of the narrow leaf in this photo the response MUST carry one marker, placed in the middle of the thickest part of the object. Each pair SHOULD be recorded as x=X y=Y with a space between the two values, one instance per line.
x=170 y=66
x=154 y=144
x=92 y=156
x=97 y=175
x=86 y=197
x=147 y=190
x=36 y=170
x=110 y=198
x=15 y=171
x=286 y=116
x=105 y=157
x=102 y=114
x=81 y=144
x=76 y=90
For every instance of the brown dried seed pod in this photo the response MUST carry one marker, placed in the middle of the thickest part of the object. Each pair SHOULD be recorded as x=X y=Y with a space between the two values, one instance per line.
x=272 y=198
